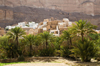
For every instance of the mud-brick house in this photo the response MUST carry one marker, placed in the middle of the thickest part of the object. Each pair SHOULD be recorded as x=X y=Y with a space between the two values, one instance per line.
x=2 y=31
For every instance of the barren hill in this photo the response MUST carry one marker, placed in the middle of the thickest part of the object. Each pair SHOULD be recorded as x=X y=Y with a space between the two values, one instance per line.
x=14 y=11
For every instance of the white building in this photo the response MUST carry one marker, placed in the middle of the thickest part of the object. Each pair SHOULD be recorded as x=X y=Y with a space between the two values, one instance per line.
x=10 y=27
x=24 y=25
x=21 y=24
x=33 y=25
x=65 y=19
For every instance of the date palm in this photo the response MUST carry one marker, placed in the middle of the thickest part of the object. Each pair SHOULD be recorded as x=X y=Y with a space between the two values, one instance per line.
x=57 y=42
x=46 y=37
x=15 y=33
x=30 y=39
x=85 y=50
x=67 y=36
x=82 y=28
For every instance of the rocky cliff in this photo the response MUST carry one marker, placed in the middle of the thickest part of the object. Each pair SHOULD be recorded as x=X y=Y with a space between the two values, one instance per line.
x=14 y=11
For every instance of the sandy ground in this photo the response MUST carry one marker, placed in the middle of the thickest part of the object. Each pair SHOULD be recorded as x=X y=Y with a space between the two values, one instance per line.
x=39 y=64
x=58 y=62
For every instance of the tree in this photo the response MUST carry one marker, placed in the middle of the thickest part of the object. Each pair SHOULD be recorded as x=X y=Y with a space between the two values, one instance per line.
x=82 y=28
x=46 y=37
x=94 y=37
x=57 y=42
x=30 y=39
x=7 y=46
x=67 y=36
x=85 y=50
x=4 y=44
x=15 y=33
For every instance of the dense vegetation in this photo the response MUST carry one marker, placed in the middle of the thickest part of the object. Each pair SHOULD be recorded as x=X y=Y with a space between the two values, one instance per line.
x=80 y=41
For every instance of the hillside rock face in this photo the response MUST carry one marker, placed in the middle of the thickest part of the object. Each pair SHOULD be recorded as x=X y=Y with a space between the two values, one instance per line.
x=85 y=6
x=14 y=11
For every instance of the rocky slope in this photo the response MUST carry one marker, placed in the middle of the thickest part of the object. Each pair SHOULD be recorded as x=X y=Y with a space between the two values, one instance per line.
x=14 y=11
x=85 y=6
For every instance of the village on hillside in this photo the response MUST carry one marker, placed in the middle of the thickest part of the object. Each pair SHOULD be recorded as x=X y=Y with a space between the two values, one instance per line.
x=56 y=27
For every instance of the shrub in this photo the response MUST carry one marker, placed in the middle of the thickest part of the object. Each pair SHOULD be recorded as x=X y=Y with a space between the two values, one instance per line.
x=57 y=53
x=85 y=50
x=21 y=58
x=47 y=52
x=3 y=55
x=65 y=52
x=7 y=47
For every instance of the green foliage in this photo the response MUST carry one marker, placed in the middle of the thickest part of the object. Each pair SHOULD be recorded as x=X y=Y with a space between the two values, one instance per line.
x=46 y=35
x=97 y=43
x=21 y=58
x=3 y=64
x=31 y=40
x=46 y=52
x=46 y=38
x=15 y=34
x=4 y=42
x=65 y=52
x=57 y=42
x=85 y=50
x=27 y=25
x=67 y=36
x=57 y=53
x=6 y=46
x=94 y=36
x=82 y=28
x=17 y=44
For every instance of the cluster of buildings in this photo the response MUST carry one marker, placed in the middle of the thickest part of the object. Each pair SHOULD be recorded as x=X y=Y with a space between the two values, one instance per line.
x=56 y=27
x=51 y=25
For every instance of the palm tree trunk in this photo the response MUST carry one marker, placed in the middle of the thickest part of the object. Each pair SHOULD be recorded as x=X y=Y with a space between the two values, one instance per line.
x=30 y=49
x=82 y=35
x=46 y=44
x=70 y=41
x=17 y=51
x=17 y=41
x=68 y=44
x=59 y=47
